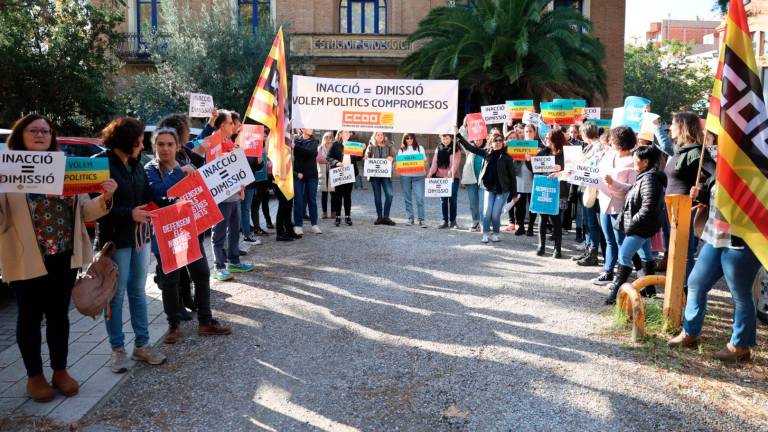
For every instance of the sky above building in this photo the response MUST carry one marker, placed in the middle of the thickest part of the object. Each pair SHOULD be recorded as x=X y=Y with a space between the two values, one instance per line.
x=641 y=13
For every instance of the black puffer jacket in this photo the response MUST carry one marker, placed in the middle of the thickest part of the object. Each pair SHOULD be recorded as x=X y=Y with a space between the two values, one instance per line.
x=505 y=167
x=643 y=207
x=132 y=191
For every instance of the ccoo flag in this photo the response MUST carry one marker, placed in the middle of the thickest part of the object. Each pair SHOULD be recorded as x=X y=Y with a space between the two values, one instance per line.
x=267 y=106
x=742 y=165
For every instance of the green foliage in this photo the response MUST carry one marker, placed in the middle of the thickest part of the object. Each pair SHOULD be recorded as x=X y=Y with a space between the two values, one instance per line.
x=198 y=53
x=666 y=78
x=510 y=49
x=57 y=61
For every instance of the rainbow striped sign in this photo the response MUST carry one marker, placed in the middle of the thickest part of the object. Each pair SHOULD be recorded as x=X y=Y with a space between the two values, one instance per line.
x=516 y=108
x=557 y=113
x=85 y=175
x=410 y=164
x=353 y=148
x=578 y=106
x=519 y=148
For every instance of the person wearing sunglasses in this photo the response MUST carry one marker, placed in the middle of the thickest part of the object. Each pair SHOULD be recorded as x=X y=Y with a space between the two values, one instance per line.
x=497 y=176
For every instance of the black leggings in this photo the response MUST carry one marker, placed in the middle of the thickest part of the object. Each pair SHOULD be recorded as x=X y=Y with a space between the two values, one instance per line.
x=557 y=224
x=169 y=285
x=324 y=200
x=47 y=296
x=284 y=220
x=260 y=199
x=520 y=208
x=343 y=192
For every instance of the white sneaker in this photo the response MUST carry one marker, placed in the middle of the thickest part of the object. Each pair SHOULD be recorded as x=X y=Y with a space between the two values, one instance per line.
x=119 y=360
x=298 y=230
x=495 y=238
x=485 y=238
x=316 y=229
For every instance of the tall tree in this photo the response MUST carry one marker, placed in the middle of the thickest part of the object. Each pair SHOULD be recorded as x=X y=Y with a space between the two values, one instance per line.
x=667 y=78
x=57 y=60
x=198 y=52
x=510 y=48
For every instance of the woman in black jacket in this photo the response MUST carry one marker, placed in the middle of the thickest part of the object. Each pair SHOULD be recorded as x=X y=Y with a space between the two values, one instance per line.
x=305 y=178
x=497 y=176
x=641 y=218
x=555 y=141
x=127 y=225
x=336 y=159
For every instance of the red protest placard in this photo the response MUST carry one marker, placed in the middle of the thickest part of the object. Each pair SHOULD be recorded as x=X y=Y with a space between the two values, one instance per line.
x=176 y=236
x=476 y=128
x=251 y=140
x=215 y=147
x=204 y=208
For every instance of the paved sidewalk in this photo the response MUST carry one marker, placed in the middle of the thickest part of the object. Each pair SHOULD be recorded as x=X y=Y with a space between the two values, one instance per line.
x=89 y=352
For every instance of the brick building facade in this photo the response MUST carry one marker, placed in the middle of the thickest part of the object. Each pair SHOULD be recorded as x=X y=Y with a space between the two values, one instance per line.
x=692 y=31
x=367 y=38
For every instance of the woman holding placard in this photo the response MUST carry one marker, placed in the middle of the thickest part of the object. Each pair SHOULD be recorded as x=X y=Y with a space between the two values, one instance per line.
x=470 y=175
x=446 y=163
x=555 y=142
x=379 y=147
x=337 y=159
x=412 y=180
x=305 y=180
x=162 y=173
x=497 y=175
x=127 y=225
x=44 y=244
x=524 y=180
x=324 y=180
x=616 y=167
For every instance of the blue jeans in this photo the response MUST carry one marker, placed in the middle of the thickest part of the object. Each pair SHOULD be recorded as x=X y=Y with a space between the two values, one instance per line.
x=379 y=183
x=739 y=266
x=305 y=188
x=613 y=239
x=413 y=185
x=476 y=195
x=589 y=220
x=245 y=211
x=228 y=229
x=132 y=267
x=634 y=245
x=494 y=202
x=449 y=204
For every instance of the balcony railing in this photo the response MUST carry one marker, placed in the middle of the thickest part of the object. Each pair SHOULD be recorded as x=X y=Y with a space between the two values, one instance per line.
x=137 y=47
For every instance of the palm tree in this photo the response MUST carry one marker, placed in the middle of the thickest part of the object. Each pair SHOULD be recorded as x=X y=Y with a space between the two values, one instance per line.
x=510 y=49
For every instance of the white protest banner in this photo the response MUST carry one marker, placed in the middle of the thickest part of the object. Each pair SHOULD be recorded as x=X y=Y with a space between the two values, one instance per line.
x=543 y=164
x=437 y=187
x=224 y=176
x=342 y=175
x=592 y=113
x=377 y=168
x=200 y=105
x=372 y=105
x=32 y=172
x=585 y=175
x=531 y=118
x=495 y=114
x=572 y=155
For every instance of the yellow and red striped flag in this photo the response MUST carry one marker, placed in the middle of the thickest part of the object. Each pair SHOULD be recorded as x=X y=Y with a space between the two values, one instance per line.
x=742 y=165
x=267 y=106
x=713 y=116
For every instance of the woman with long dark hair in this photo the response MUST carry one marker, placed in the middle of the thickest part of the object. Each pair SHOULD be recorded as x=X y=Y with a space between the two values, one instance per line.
x=524 y=179
x=413 y=183
x=446 y=163
x=44 y=244
x=555 y=142
x=336 y=159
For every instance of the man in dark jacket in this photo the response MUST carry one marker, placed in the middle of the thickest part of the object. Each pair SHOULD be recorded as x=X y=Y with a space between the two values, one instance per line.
x=640 y=219
x=305 y=179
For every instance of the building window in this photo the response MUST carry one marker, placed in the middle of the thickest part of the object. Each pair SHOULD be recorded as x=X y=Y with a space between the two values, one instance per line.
x=252 y=13
x=363 y=16
x=147 y=16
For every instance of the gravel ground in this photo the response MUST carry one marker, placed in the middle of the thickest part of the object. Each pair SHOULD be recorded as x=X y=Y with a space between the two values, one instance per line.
x=401 y=328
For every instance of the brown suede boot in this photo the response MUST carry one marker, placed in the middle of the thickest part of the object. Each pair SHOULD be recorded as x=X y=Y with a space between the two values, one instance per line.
x=174 y=334
x=684 y=340
x=39 y=389
x=213 y=328
x=733 y=354
x=64 y=383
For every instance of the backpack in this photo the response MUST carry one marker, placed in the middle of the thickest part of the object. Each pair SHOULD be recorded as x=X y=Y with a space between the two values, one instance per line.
x=95 y=288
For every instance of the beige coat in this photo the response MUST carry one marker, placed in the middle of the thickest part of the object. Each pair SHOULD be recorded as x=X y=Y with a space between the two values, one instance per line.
x=20 y=257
